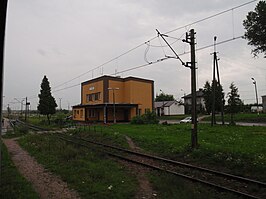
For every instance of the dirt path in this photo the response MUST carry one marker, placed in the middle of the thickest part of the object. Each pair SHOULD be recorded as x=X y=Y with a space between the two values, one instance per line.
x=145 y=188
x=45 y=183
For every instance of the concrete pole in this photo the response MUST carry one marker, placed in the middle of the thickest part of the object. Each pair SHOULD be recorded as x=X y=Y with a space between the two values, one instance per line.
x=194 y=128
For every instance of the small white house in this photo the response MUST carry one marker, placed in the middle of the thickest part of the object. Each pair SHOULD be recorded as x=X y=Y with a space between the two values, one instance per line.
x=255 y=109
x=169 y=108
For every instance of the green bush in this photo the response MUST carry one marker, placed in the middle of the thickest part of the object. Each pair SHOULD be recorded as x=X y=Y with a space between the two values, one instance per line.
x=137 y=120
x=147 y=118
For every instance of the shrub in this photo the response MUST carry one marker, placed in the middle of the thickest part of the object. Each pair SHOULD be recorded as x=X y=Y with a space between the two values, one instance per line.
x=147 y=118
x=137 y=120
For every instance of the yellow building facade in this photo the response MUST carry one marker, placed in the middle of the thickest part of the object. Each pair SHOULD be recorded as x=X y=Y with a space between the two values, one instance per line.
x=110 y=99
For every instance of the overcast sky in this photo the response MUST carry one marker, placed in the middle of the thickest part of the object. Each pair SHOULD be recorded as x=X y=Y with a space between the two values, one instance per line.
x=64 y=39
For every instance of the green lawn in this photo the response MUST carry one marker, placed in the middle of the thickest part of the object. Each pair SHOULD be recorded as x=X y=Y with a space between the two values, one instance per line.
x=242 y=117
x=91 y=173
x=235 y=149
x=13 y=185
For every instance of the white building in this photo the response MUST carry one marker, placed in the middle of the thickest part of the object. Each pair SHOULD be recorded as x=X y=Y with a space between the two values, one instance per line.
x=169 y=108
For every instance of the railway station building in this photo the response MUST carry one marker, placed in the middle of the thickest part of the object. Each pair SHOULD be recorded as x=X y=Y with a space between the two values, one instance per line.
x=114 y=99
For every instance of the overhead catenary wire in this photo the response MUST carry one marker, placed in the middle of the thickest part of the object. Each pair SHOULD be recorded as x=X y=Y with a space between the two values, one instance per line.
x=105 y=63
x=212 y=16
x=132 y=49
x=157 y=61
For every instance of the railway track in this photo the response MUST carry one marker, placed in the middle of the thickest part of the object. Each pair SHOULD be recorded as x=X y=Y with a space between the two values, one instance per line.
x=30 y=126
x=241 y=186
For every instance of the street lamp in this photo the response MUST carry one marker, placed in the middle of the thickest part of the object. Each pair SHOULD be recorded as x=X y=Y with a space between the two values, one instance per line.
x=254 y=82
x=113 y=89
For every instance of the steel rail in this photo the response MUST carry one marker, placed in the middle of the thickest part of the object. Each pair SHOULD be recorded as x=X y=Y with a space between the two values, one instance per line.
x=176 y=162
x=168 y=171
x=33 y=127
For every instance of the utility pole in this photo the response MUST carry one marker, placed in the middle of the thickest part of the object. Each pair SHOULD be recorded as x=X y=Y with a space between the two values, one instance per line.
x=113 y=89
x=3 y=9
x=256 y=91
x=8 y=111
x=214 y=87
x=162 y=113
x=26 y=108
x=21 y=105
x=190 y=39
x=60 y=103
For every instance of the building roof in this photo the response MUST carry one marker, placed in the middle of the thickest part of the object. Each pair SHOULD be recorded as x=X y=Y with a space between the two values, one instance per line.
x=118 y=105
x=117 y=78
x=164 y=104
x=199 y=93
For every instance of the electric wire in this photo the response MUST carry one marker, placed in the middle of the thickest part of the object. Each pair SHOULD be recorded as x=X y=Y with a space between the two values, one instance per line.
x=148 y=43
x=159 y=60
x=162 y=46
x=101 y=65
x=132 y=49
x=212 y=16
x=143 y=65
x=146 y=51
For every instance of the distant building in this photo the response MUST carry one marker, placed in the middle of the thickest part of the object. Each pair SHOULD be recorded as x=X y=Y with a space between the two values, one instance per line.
x=169 y=108
x=199 y=99
x=129 y=97
x=255 y=109
x=264 y=103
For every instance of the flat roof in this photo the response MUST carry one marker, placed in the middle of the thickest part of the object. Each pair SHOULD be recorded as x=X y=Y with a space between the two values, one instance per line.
x=105 y=104
x=107 y=77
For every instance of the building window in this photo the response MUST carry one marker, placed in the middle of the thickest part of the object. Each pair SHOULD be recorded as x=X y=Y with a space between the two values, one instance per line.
x=97 y=96
x=139 y=111
x=81 y=113
x=92 y=113
x=93 y=96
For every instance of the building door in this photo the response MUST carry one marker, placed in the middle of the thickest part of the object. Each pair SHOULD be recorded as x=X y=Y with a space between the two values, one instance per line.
x=126 y=115
x=158 y=112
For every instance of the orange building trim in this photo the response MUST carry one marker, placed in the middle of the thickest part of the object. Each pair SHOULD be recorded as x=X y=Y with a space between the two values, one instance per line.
x=111 y=99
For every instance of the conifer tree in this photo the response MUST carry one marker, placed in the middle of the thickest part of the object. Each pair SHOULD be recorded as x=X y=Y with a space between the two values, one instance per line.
x=234 y=101
x=47 y=102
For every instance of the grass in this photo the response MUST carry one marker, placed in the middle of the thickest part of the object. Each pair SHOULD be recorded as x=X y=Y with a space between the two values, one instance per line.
x=13 y=185
x=170 y=186
x=89 y=172
x=16 y=132
x=241 y=117
x=236 y=149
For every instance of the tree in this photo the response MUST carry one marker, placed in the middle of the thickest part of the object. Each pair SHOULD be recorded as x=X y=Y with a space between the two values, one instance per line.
x=164 y=97
x=47 y=102
x=234 y=101
x=255 y=25
x=208 y=96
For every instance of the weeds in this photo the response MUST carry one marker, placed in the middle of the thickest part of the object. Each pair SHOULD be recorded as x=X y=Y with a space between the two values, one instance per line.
x=13 y=185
